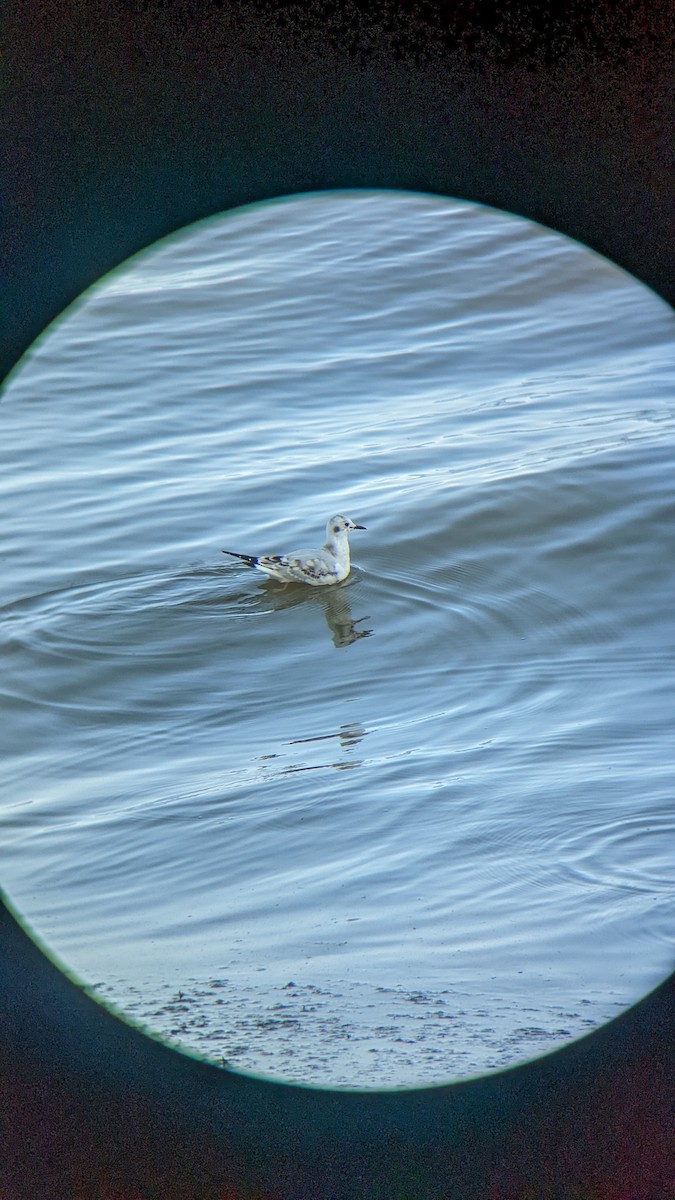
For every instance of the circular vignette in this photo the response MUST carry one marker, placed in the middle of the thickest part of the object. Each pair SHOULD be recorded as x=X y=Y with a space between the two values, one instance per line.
x=127 y=129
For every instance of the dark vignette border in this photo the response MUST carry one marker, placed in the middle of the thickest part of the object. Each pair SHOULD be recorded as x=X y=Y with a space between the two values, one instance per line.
x=127 y=120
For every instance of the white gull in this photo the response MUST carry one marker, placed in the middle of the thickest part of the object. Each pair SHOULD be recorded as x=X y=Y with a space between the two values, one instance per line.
x=319 y=568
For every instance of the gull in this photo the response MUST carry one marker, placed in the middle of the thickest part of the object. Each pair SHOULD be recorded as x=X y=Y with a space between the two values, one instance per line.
x=319 y=568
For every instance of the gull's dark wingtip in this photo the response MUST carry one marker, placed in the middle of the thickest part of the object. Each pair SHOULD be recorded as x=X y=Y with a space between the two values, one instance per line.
x=249 y=559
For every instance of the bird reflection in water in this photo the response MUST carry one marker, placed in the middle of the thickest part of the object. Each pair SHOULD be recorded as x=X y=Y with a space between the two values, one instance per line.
x=335 y=604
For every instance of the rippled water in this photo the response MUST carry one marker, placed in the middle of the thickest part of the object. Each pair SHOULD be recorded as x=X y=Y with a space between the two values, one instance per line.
x=408 y=828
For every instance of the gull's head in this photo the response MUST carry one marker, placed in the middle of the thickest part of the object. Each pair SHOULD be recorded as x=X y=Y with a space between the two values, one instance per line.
x=339 y=525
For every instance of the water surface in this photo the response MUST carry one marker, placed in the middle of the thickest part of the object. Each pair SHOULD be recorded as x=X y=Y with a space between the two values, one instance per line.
x=402 y=830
